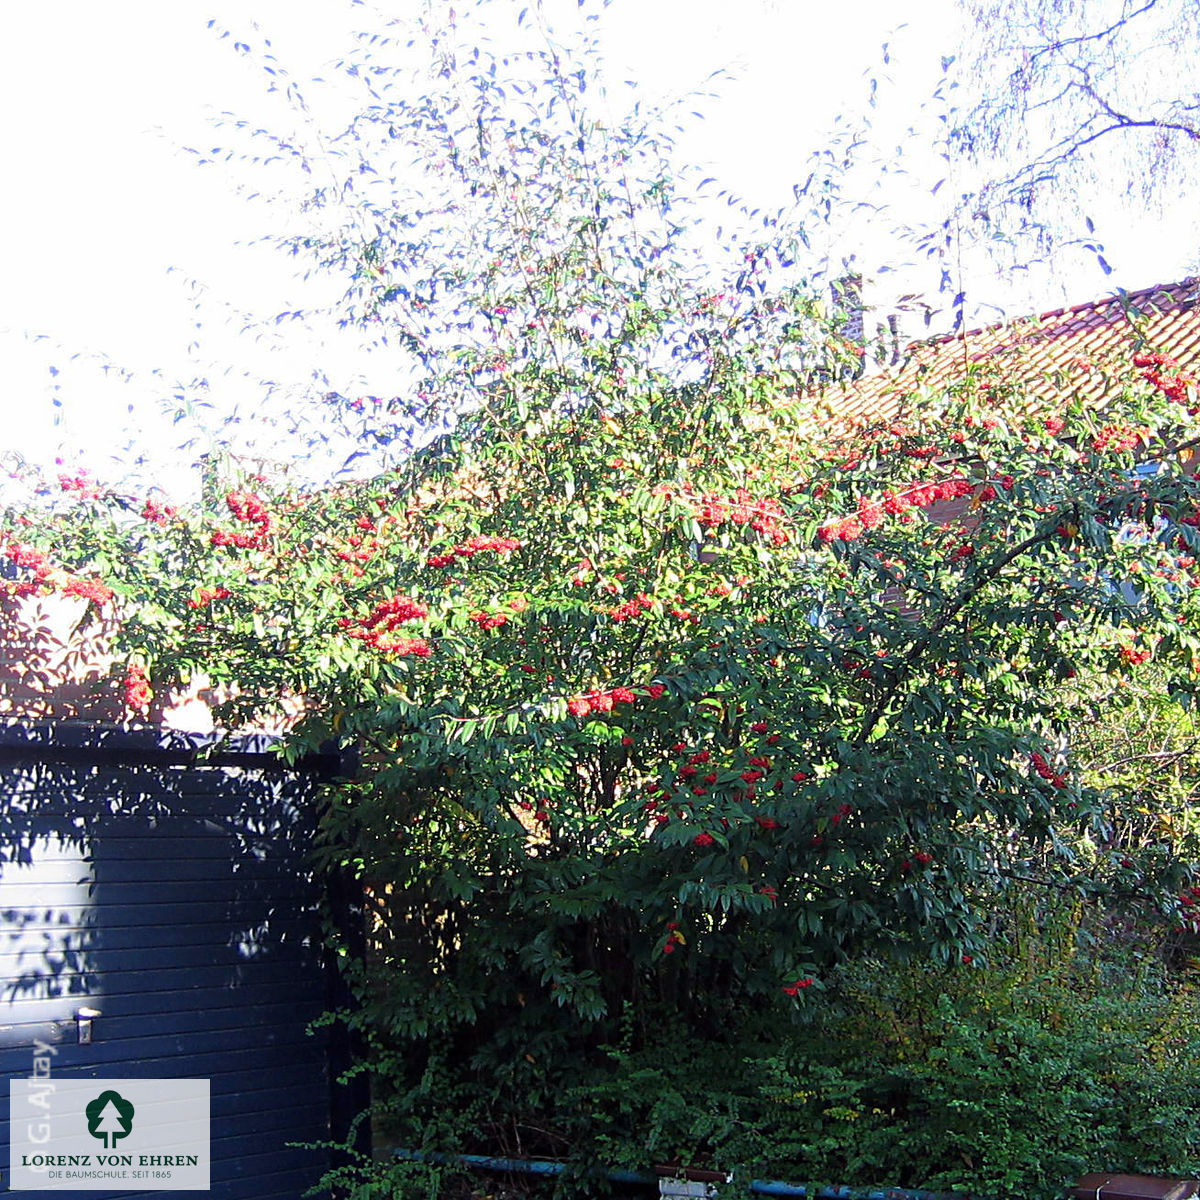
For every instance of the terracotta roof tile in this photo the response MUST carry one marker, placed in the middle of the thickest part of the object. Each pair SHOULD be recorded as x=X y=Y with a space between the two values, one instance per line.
x=1072 y=351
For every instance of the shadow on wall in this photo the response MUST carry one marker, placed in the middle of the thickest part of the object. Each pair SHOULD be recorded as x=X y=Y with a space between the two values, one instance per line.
x=54 y=659
x=56 y=663
x=158 y=912
x=158 y=895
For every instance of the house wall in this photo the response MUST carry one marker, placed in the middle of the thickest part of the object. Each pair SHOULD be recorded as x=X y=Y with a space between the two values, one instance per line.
x=176 y=901
x=173 y=897
x=56 y=663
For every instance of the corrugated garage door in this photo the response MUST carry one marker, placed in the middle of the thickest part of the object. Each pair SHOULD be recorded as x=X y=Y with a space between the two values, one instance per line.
x=172 y=899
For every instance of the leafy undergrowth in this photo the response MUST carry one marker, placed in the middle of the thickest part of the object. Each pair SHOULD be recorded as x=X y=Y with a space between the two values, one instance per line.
x=1012 y=1079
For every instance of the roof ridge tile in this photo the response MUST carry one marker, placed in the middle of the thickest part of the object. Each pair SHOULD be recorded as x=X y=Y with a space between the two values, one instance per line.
x=1181 y=285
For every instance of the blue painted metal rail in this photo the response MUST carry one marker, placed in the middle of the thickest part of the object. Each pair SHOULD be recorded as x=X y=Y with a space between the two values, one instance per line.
x=761 y=1187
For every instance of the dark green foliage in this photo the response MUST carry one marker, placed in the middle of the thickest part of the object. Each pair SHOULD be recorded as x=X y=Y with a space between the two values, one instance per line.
x=1008 y=1080
x=996 y=1083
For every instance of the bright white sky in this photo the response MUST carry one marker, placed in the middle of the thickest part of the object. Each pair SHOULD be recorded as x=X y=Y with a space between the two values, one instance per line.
x=111 y=226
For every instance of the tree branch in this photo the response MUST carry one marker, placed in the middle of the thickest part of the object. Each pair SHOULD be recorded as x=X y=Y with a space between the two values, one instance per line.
x=1098 y=36
x=1123 y=120
x=952 y=610
x=1163 y=757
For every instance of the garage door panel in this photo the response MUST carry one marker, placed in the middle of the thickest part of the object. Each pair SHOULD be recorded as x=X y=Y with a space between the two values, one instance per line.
x=176 y=901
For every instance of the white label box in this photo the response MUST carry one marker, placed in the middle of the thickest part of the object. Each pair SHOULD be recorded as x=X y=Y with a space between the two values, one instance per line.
x=119 y=1134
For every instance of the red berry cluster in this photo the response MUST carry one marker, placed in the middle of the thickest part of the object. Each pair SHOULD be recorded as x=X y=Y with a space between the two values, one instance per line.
x=602 y=702
x=473 y=546
x=1118 y=438
x=764 y=516
x=46 y=576
x=248 y=508
x=870 y=513
x=1047 y=772
x=797 y=986
x=922 y=858
x=489 y=620
x=631 y=608
x=138 y=692
x=379 y=626
x=87 y=589
x=81 y=484
x=361 y=548
x=1164 y=373
x=29 y=557
x=1189 y=901
x=208 y=595
x=683 y=614
x=158 y=514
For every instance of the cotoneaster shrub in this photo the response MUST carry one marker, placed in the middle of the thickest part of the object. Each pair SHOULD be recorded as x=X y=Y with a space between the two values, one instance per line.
x=672 y=696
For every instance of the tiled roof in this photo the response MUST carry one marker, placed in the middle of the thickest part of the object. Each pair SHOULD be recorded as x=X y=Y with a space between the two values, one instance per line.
x=1066 y=353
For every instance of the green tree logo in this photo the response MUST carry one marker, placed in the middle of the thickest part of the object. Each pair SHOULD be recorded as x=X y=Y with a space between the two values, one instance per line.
x=109 y=1117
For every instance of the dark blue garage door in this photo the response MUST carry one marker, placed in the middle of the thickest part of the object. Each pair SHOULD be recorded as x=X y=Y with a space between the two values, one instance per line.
x=172 y=899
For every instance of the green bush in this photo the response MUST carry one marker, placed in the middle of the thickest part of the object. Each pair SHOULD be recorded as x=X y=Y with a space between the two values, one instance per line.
x=671 y=694
x=989 y=1080
x=994 y=1082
